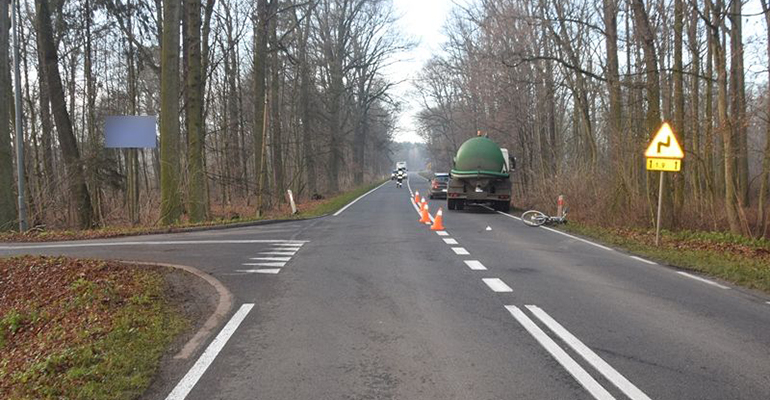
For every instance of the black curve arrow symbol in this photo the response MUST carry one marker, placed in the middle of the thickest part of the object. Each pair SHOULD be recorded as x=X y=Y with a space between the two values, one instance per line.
x=666 y=144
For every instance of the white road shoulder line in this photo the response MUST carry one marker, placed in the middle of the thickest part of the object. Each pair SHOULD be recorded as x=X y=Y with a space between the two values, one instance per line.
x=270 y=258
x=475 y=265
x=271 y=271
x=580 y=374
x=184 y=386
x=359 y=198
x=643 y=260
x=497 y=285
x=450 y=241
x=265 y=264
x=136 y=243
x=698 y=278
x=562 y=233
x=460 y=251
x=442 y=233
x=589 y=355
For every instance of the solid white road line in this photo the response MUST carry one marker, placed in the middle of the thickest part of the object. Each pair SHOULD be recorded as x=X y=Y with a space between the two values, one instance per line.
x=184 y=386
x=271 y=271
x=450 y=241
x=270 y=258
x=359 y=198
x=698 y=278
x=279 y=253
x=442 y=233
x=265 y=264
x=147 y=243
x=562 y=233
x=497 y=285
x=460 y=251
x=475 y=265
x=643 y=260
x=597 y=362
x=580 y=374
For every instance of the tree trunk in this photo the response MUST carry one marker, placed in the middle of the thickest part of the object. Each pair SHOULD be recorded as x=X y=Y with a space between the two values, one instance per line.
x=196 y=194
x=275 y=93
x=720 y=62
x=170 y=188
x=7 y=199
x=761 y=217
x=73 y=164
x=679 y=127
x=613 y=83
x=307 y=133
x=738 y=103
x=260 y=60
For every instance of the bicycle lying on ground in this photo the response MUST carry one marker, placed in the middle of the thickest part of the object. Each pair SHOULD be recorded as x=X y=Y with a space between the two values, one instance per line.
x=537 y=218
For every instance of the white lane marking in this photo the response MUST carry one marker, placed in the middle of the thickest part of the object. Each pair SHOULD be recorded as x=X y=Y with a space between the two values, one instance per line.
x=562 y=233
x=450 y=241
x=643 y=260
x=768 y=302
x=134 y=243
x=279 y=253
x=271 y=271
x=442 y=233
x=625 y=386
x=460 y=251
x=411 y=200
x=270 y=258
x=580 y=374
x=497 y=285
x=359 y=198
x=475 y=265
x=698 y=278
x=265 y=264
x=289 y=244
x=506 y=214
x=184 y=386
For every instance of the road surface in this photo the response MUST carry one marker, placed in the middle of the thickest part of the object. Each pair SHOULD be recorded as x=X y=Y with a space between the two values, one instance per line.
x=370 y=304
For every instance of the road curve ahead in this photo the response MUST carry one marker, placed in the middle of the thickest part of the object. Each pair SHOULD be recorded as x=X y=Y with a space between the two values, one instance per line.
x=371 y=304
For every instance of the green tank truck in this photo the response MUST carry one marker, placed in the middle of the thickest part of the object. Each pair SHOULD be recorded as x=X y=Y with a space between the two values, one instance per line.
x=481 y=175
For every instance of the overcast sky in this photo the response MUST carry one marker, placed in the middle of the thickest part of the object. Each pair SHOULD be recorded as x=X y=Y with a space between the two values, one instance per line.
x=423 y=21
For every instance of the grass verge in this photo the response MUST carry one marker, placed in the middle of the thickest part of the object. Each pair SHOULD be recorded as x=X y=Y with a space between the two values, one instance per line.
x=81 y=329
x=733 y=258
x=310 y=209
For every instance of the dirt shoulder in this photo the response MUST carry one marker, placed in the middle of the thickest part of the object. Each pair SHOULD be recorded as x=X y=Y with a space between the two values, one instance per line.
x=92 y=329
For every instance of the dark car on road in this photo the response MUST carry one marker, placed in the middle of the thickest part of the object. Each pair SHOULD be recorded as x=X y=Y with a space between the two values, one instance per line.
x=438 y=185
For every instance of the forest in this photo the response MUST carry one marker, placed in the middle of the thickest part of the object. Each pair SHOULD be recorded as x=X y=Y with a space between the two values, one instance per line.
x=253 y=98
x=577 y=88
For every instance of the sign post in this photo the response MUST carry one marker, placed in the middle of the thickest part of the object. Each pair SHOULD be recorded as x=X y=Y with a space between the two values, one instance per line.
x=663 y=154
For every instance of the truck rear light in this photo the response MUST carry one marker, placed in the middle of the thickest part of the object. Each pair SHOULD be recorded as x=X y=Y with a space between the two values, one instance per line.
x=504 y=197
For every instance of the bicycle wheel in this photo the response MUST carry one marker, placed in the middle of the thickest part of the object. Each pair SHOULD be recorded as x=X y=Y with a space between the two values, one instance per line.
x=533 y=218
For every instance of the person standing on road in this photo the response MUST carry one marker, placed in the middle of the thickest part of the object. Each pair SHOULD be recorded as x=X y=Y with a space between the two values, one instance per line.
x=399 y=178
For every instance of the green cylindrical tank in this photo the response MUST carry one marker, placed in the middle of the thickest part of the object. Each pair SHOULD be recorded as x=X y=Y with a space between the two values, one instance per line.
x=479 y=157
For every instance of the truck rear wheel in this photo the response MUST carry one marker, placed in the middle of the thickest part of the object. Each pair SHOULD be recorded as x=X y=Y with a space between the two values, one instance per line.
x=450 y=204
x=460 y=205
x=503 y=206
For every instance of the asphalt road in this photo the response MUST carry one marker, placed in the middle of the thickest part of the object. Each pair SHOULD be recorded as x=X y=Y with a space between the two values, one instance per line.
x=370 y=304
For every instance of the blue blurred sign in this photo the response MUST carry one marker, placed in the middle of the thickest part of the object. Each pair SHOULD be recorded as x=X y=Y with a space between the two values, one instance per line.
x=130 y=131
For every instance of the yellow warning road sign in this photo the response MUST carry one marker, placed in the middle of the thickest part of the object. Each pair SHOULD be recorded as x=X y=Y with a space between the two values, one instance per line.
x=664 y=145
x=664 y=164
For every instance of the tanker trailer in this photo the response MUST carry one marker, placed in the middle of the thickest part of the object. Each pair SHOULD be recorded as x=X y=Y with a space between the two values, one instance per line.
x=480 y=175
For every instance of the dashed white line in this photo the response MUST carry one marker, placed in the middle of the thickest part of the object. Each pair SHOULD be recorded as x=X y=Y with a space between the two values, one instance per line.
x=450 y=241
x=359 y=198
x=265 y=264
x=270 y=271
x=442 y=233
x=625 y=386
x=580 y=374
x=270 y=258
x=279 y=253
x=497 y=285
x=698 y=278
x=475 y=265
x=643 y=260
x=460 y=251
x=184 y=386
x=289 y=244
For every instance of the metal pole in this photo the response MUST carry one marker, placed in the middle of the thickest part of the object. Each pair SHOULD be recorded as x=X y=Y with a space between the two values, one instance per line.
x=660 y=207
x=19 y=130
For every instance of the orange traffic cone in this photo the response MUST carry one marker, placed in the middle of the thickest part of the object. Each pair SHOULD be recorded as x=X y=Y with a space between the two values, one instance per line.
x=423 y=204
x=425 y=219
x=417 y=197
x=438 y=222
